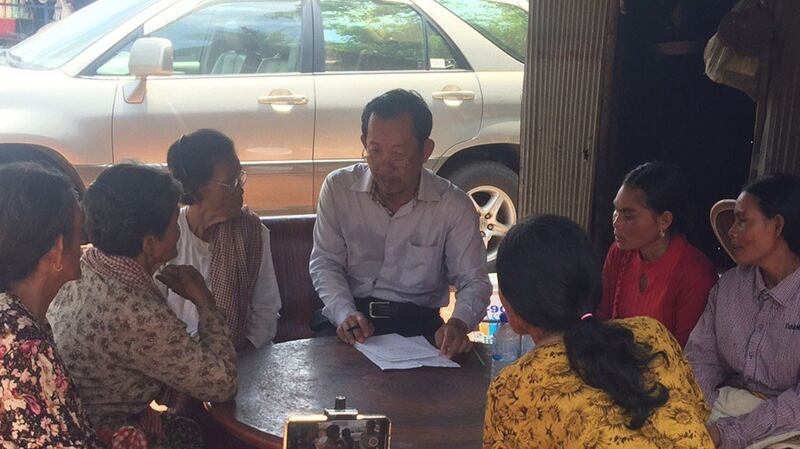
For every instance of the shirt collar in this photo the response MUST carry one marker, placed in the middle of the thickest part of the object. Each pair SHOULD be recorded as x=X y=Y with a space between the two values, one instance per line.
x=781 y=293
x=426 y=192
x=427 y=187
x=364 y=181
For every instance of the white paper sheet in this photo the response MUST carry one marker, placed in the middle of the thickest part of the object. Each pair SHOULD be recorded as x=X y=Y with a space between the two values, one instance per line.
x=394 y=351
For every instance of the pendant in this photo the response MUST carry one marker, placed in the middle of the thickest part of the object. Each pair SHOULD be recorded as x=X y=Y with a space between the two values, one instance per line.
x=642 y=283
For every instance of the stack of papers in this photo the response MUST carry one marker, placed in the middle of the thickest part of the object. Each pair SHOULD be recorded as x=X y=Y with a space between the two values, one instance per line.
x=394 y=351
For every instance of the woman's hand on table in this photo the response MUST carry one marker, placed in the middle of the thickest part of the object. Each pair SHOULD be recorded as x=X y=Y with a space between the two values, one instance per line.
x=451 y=338
x=355 y=328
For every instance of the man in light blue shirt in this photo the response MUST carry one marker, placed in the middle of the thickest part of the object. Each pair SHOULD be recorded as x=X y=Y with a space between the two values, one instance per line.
x=391 y=236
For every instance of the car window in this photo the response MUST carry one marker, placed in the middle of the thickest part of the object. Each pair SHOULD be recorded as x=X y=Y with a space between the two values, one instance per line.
x=59 y=43
x=441 y=55
x=504 y=24
x=369 y=35
x=228 y=38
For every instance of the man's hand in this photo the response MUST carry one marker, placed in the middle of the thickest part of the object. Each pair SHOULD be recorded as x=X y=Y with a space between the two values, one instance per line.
x=355 y=328
x=714 y=433
x=452 y=338
x=186 y=281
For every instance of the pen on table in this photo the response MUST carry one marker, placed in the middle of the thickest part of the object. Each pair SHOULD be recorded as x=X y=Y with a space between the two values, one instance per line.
x=478 y=356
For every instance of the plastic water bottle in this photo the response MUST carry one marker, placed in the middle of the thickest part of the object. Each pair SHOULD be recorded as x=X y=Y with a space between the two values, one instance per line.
x=527 y=345
x=506 y=346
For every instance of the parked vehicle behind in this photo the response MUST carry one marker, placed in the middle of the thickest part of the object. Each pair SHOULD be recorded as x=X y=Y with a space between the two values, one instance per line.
x=286 y=79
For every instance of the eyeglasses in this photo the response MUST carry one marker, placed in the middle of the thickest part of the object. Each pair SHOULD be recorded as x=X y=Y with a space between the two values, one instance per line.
x=377 y=156
x=238 y=183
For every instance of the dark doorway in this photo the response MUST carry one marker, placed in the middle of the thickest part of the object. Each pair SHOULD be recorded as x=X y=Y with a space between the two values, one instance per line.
x=667 y=109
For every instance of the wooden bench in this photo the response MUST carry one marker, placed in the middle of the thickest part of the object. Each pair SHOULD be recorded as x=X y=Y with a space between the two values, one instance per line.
x=291 y=240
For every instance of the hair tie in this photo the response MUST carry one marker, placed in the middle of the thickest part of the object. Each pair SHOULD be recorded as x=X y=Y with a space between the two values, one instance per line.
x=586 y=315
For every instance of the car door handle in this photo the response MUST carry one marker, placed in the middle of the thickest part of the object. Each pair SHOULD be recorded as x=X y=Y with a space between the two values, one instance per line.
x=283 y=99
x=454 y=95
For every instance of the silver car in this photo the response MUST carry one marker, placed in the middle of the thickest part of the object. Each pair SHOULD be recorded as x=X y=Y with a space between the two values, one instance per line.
x=286 y=79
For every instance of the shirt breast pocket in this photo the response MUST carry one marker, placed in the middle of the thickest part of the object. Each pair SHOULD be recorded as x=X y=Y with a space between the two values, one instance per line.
x=421 y=267
x=779 y=358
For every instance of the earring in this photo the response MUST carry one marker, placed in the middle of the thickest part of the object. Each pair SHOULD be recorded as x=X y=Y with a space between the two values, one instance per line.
x=661 y=233
x=58 y=267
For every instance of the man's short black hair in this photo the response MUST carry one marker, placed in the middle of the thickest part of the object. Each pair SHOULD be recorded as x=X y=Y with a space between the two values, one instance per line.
x=126 y=203
x=396 y=102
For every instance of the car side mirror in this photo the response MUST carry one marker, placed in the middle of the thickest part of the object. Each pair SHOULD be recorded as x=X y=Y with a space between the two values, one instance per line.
x=150 y=56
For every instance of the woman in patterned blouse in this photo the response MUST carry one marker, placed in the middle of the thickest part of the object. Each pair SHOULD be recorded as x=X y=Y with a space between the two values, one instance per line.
x=40 y=238
x=588 y=383
x=119 y=338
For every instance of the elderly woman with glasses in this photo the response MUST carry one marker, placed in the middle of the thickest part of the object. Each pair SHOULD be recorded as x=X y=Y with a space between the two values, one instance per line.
x=225 y=241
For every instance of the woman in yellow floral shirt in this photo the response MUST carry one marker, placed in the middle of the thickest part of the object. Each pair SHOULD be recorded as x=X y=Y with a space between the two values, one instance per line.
x=588 y=383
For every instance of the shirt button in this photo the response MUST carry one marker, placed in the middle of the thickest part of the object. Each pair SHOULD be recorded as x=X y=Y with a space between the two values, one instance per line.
x=750 y=355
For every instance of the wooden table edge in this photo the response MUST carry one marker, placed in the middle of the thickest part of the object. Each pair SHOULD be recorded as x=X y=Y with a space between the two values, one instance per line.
x=243 y=432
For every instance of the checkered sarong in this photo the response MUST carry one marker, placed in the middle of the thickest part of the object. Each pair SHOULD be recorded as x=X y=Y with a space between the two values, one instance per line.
x=236 y=250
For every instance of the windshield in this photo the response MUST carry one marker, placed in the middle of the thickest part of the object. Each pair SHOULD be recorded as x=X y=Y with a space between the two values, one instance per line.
x=502 y=22
x=59 y=43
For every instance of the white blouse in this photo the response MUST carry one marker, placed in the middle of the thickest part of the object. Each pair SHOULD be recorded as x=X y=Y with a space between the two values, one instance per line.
x=262 y=321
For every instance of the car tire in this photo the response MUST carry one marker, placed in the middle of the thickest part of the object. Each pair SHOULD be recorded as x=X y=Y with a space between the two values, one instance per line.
x=44 y=156
x=493 y=189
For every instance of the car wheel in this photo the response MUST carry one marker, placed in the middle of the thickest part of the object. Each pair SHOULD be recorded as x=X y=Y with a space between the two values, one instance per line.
x=493 y=190
x=44 y=156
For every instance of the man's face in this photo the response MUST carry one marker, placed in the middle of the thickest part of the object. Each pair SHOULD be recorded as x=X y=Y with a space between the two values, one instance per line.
x=394 y=156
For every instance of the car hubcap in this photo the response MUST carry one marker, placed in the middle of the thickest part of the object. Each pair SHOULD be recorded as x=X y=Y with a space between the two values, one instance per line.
x=497 y=215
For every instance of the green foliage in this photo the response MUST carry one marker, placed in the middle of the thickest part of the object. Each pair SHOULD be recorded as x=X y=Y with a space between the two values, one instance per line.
x=372 y=36
x=505 y=25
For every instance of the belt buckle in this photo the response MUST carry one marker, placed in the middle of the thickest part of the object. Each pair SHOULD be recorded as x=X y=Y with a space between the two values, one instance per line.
x=372 y=314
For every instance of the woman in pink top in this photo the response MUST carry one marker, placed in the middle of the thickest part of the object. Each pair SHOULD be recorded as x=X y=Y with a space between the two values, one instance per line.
x=651 y=270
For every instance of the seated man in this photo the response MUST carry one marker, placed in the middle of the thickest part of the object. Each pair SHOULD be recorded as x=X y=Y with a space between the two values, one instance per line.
x=391 y=236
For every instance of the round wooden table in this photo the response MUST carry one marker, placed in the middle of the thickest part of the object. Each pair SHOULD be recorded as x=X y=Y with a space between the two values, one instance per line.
x=429 y=407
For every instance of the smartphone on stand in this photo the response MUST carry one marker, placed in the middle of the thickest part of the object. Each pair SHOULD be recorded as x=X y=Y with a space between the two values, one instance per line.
x=332 y=432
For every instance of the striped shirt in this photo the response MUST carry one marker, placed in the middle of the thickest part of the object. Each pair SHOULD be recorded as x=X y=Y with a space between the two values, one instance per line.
x=749 y=337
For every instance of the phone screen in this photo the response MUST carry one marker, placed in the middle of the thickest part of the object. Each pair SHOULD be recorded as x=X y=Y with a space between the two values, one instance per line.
x=361 y=433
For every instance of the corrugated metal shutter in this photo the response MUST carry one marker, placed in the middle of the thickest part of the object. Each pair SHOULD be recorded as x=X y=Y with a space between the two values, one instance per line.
x=565 y=107
x=777 y=146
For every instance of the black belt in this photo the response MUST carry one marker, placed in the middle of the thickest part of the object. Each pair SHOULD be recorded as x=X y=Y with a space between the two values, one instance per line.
x=381 y=309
